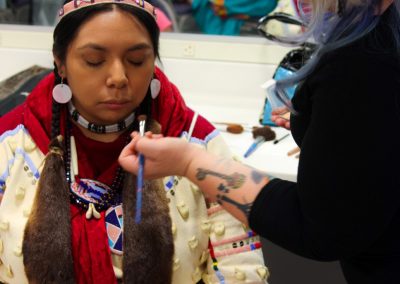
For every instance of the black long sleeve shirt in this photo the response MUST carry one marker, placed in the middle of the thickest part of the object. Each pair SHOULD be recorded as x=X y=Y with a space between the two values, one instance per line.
x=345 y=204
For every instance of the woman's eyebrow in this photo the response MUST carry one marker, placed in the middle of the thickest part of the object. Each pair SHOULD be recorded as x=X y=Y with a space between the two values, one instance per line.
x=135 y=47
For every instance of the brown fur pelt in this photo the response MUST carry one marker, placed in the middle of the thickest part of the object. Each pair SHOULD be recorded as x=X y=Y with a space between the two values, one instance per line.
x=47 y=237
x=148 y=246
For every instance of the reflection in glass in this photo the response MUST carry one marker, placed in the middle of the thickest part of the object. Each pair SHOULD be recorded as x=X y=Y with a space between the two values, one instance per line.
x=229 y=17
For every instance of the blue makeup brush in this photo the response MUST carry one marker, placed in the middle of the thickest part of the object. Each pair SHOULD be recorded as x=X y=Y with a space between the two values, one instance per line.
x=256 y=143
x=140 y=179
x=260 y=135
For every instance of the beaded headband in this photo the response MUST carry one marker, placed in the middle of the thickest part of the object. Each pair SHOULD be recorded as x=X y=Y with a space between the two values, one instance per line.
x=79 y=4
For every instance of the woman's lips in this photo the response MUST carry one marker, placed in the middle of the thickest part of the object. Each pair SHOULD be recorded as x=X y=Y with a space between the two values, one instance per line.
x=115 y=105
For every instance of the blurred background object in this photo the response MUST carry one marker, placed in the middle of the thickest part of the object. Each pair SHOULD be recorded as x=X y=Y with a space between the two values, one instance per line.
x=229 y=17
x=13 y=90
x=16 y=11
x=44 y=12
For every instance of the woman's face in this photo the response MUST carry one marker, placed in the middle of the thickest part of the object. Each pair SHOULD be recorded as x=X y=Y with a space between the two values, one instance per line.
x=109 y=66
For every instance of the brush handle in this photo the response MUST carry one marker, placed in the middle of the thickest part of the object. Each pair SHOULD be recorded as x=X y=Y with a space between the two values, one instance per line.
x=280 y=139
x=140 y=177
x=257 y=142
x=139 y=190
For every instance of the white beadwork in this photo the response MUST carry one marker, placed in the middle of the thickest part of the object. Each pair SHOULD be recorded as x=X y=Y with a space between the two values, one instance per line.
x=263 y=273
x=206 y=226
x=193 y=243
x=196 y=275
x=26 y=212
x=176 y=264
x=173 y=228
x=18 y=251
x=239 y=274
x=183 y=210
x=108 y=128
x=219 y=229
x=4 y=226
x=20 y=193
x=10 y=273
x=204 y=256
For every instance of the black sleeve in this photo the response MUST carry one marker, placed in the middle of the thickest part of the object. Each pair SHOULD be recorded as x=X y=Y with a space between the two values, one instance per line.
x=348 y=188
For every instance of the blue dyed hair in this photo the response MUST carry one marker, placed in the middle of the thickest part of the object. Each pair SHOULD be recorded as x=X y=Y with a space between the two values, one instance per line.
x=334 y=24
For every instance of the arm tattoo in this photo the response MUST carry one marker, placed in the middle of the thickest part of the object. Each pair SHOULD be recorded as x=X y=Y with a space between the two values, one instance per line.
x=234 y=180
x=223 y=188
x=256 y=176
x=245 y=207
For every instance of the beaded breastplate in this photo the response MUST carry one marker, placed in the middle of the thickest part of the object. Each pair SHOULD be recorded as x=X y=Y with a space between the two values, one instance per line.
x=87 y=192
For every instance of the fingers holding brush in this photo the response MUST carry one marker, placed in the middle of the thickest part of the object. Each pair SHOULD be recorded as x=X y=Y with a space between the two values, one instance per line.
x=281 y=117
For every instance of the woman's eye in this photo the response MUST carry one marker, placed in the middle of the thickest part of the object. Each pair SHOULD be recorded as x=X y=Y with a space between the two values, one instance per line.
x=94 y=63
x=136 y=62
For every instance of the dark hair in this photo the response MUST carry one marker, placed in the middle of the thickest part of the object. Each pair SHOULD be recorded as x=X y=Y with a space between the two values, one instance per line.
x=67 y=28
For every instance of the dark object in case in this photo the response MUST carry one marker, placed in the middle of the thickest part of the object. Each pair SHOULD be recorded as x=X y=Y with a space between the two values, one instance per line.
x=14 y=90
x=292 y=62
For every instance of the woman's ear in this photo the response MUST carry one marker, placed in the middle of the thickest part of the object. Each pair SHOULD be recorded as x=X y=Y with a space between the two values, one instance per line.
x=60 y=66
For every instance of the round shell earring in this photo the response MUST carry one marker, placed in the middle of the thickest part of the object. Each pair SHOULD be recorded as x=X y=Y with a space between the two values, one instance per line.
x=62 y=93
x=155 y=87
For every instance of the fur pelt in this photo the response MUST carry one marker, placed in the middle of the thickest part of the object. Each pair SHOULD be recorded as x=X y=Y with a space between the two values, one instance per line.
x=148 y=246
x=47 y=238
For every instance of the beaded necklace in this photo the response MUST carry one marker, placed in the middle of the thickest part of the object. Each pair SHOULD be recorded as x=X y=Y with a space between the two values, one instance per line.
x=86 y=192
x=77 y=117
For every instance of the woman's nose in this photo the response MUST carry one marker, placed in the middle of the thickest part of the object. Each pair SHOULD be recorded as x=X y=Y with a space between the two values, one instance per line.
x=117 y=77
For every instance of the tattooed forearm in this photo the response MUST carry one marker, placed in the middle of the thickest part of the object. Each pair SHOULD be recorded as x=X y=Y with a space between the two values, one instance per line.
x=245 y=207
x=223 y=188
x=234 y=180
x=257 y=176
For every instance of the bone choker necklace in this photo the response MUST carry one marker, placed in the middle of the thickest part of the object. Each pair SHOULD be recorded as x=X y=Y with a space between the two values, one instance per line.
x=76 y=116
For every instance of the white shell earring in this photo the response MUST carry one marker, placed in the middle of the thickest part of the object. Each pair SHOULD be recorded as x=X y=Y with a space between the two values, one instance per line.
x=155 y=87
x=62 y=93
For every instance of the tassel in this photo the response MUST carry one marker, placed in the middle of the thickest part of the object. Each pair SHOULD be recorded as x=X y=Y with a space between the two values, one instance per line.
x=47 y=238
x=148 y=245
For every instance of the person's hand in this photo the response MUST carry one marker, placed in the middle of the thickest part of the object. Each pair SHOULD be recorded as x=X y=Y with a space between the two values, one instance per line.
x=163 y=156
x=281 y=117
